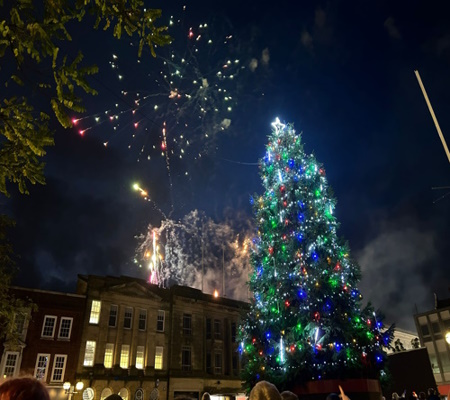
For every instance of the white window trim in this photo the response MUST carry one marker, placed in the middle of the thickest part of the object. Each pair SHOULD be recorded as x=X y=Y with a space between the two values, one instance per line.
x=63 y=369
x=89 y=364
x=163 y=321
x=99 y=311
x=44 y=379
x=60 y=326
x=142 y=310
x=54 y=326
x=5 y=357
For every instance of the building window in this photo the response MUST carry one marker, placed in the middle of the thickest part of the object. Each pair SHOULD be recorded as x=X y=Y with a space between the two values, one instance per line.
x=48 y=328
x=208 y=328
x=186 y=358
x=128 y=317
x=123 y=393
x=235 y=364
x=218 y=363
x=9 y=369
x=89 y=354
x=19 y=322
x=65 y=328
x=59 y=366
x=233 y=332
x=208 y=363
x=425 y=330
x=142 y=320
x=139 y=394
x=159 y=357
x=109 y=353
x=124 y=356
x=95 y=312
x=113 y=316
x=106 y=392
x=160 y=321
x=41 y=368
x=187 y=324
x=217 y=329
x=435 y=328
x=140 y=357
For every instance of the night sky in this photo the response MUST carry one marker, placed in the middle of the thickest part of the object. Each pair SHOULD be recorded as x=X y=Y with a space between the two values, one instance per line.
x=342 y=72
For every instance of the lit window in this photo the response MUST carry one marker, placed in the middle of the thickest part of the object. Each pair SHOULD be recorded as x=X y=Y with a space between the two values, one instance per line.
x=106 y=392
x=124 y=356
x=109 y=351
x=142 y=320
x=123 y=393
x=89 y=353
x=48 y=328
x=159 y=357
x=218 y=363
x=65 y=328
x=128 y=317
x=42 y=362
x=186 y=358
x=59 y=366
x=95 y=312
x=113 y=316
x=140 y=357
x=9 y=369
x=160 y=321
x=187 y=324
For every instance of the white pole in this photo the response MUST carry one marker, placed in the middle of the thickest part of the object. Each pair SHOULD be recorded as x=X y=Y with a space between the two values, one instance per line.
x=436 y=123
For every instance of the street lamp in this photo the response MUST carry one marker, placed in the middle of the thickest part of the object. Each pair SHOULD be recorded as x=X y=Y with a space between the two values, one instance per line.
x=447 y=337
x=70 y=390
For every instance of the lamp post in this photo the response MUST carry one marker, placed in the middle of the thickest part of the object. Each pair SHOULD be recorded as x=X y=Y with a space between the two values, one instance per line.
x=71 y=390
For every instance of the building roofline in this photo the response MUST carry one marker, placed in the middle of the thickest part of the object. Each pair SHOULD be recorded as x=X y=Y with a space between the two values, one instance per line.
x=82 y=296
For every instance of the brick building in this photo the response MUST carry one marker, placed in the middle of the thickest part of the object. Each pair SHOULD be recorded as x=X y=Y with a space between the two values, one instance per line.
x=50 y=337
x=141 y=341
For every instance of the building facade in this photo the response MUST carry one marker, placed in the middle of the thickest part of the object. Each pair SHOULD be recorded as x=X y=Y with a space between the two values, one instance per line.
x=145 y=342
x=434 y=333
x=49 y=338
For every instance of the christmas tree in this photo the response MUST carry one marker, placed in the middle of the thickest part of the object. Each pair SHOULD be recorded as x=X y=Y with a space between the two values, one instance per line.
x=305 y=320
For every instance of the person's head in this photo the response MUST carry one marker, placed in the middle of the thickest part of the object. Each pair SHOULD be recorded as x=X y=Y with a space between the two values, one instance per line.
x=287 y=395
x=431 y=392
x=333 y=396
x=395 y=396
x=422 y=396
x=23 y=389
x=206 y=396
x=264 y=391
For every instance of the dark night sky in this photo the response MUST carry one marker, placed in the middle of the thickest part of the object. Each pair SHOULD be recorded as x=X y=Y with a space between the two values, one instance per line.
x=342 y=72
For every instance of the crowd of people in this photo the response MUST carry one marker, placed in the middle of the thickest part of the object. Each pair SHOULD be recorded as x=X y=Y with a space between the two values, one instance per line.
x=31 y=389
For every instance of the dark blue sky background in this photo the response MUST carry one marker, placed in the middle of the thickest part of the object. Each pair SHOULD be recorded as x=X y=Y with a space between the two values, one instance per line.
x=342 y=72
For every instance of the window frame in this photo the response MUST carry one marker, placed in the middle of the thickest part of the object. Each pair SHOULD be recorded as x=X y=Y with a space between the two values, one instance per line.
x=116 y=308
x=125 y=318
x=70 y=328
x=142 y=312
x=55 y=319
x=158 y=320
x=186 y=350
x=217 y=329
x=208 y=328
x=89 y=363
x=187 y=330
x=140 y=349
x=122 y=354
x=109 y=346
x=94 y=316
x=220 y=355
x=44 y=378
x=159 y=355
x=16 y=362
x=63 y=369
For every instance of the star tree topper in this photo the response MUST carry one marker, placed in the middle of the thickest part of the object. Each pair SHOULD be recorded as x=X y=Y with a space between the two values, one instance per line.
x=278 y=126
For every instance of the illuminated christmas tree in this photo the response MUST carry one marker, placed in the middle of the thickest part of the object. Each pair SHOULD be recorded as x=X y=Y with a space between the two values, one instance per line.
x=305 y=321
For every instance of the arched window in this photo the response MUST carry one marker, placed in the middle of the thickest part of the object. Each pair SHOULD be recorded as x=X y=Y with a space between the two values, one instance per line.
x=123 y=393
x=105 y=393
x=139 y=394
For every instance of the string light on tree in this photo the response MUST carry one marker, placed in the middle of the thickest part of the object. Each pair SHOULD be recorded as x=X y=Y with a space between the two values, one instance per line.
x=306 y=320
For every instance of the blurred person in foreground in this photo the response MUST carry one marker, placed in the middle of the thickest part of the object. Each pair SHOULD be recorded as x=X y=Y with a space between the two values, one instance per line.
x=23 y=389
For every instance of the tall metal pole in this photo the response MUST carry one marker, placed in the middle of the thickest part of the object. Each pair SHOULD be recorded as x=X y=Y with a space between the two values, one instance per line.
x=223 y=271
x=436 y=123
